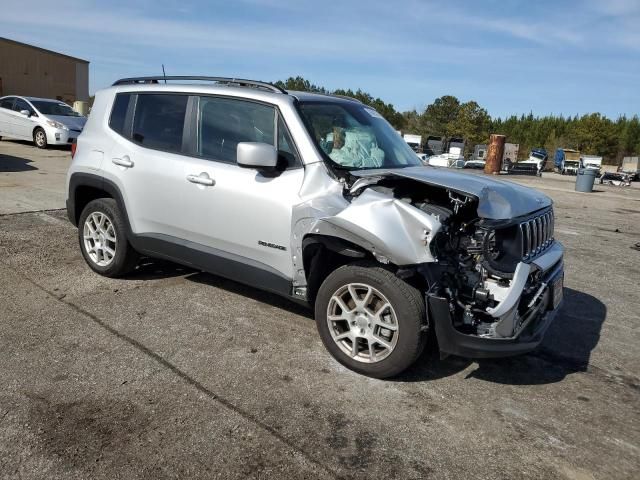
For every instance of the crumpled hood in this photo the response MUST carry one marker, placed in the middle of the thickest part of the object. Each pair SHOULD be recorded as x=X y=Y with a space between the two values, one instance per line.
x=74 y=123
x=497 y=199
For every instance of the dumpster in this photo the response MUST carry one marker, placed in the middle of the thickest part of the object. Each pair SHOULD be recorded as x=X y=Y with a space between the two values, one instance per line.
x=585 y=179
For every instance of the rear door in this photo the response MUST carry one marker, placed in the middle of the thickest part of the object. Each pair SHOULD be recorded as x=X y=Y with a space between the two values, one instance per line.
x=145 y=160
x=6 y=116
x=236 y=210
x=23 y=126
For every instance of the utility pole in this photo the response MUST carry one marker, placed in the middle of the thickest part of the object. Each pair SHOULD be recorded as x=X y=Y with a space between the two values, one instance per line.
x=493 y=163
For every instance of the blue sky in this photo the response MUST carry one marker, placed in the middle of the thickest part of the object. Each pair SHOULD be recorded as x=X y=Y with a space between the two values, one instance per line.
x=564 y=56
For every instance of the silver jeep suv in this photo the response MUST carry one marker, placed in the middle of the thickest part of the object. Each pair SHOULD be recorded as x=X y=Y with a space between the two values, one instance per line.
x=316 y=198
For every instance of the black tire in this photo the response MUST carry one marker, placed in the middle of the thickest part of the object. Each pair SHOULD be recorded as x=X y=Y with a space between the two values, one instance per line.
x=125 y=258
x=40 y=138
x=407 y=303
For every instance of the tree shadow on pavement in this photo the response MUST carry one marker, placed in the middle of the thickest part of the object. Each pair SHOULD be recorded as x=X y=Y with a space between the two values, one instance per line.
x=566 y=349
x=9 y=163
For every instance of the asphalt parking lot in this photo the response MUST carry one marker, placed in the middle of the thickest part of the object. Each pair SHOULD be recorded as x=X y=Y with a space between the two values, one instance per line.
x=173 y=373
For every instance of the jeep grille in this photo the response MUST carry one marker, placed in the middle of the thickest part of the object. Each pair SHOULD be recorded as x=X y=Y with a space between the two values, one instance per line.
x=536 y=234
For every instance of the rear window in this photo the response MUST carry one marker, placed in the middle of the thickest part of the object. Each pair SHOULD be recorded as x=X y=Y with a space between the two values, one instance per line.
x=158 y=121
x=119 y=113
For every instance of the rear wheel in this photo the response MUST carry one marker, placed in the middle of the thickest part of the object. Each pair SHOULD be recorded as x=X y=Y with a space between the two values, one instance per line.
x=371 y=321
x=40 y=138
x=103 y=240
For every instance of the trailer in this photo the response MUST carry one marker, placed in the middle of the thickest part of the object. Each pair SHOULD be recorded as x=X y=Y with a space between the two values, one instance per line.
x=480 y=153
x=534 y=165
x=510 y=155
x=567 y=161
x=591 y=162
x=434 y=145
x=414 y=141
x=631 y=165
x=456 y=145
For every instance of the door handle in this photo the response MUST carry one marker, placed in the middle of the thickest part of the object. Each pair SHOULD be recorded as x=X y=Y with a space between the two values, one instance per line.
x=202 y=179
x=123 y=162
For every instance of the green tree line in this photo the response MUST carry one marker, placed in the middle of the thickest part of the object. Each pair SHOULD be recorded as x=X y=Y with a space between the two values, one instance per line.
x=592 y=134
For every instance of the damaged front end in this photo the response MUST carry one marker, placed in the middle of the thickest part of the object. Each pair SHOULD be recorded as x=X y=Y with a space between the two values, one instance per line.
x=496 y=286
x=492 y=270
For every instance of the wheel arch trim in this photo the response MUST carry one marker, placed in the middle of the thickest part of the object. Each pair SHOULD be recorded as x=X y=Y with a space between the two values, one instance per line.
x=83 y=179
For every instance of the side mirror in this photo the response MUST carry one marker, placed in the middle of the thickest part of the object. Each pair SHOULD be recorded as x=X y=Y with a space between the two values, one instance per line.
x=261 y=156
x=26 y=113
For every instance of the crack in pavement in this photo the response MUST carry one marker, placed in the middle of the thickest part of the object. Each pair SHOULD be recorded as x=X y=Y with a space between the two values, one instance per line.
x=26 y=212
x=183 y=375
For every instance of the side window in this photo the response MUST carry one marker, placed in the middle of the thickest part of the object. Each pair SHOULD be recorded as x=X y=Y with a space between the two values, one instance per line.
x=159 y=121
x=224 y=122
x=22 y=105
x=7 y=103
x=119 y=113
x=286 y=151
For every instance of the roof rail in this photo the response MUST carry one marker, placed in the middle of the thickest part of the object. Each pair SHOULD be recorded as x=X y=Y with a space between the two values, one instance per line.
x=346 y=97
x=333 y=95
x=225 y=80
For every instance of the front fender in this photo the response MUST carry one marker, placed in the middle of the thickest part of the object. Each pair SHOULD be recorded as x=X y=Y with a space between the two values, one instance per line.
x=391 y=229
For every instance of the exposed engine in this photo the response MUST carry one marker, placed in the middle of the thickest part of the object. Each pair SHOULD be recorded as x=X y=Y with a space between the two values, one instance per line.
x=477 y=259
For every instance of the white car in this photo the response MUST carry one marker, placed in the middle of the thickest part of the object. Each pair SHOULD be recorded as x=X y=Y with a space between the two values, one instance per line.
x=45 y=121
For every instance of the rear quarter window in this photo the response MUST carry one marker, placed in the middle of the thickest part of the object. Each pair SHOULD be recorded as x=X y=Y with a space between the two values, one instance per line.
x=119 y=113
x=7 y=103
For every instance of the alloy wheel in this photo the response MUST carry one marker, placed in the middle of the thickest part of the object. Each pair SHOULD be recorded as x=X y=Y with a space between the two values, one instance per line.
x=41 y=138
x=362 y=322
x=100 y=241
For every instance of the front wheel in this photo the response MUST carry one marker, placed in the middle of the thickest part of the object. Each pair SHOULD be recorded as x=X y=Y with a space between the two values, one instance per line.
x=370 y=320
x=40 y=138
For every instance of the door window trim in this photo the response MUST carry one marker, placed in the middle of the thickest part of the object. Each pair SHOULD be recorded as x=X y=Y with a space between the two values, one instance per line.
x=127 y=129
x=190 y=126
x=192 y=141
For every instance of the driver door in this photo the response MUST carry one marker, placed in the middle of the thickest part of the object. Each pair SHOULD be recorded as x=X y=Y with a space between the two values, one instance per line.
x=241 y=212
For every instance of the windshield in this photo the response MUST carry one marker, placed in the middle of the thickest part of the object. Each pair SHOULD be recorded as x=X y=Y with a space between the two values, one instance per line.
x=539 y=156
x=54 y=108
x=354 y=137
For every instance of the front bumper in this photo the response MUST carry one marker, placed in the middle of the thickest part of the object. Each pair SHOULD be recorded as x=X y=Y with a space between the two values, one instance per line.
x=534 y=324
x=59 y=136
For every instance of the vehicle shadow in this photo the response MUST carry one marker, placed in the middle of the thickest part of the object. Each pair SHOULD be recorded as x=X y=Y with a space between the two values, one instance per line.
x=9 y=163
x=566 y=349
x=251 y=292
x=153 y=269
